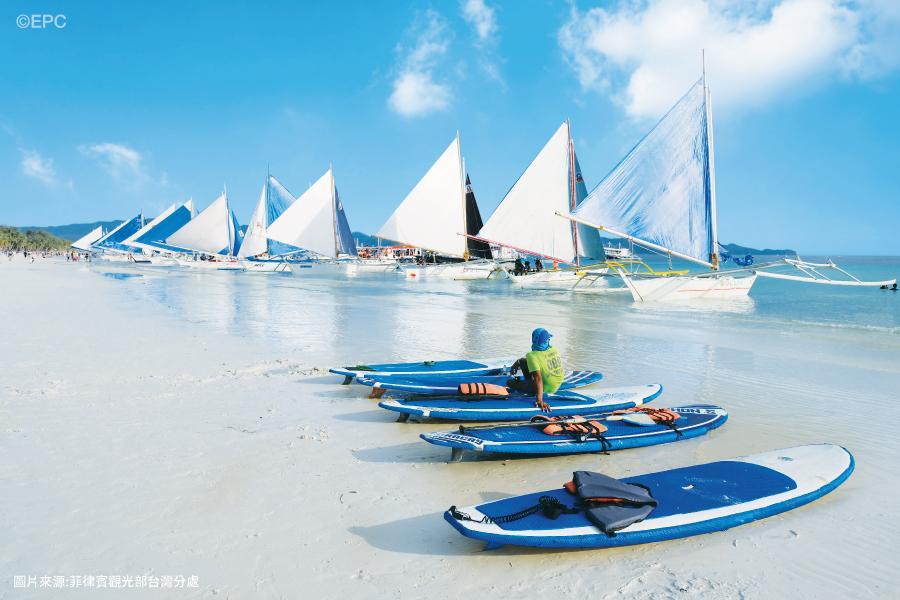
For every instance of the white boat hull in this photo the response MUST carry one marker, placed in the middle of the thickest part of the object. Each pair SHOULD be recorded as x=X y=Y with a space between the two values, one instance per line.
x=265 y=266
x=586 y=280
x=464 y=271
x=209 y=265
x=675 y=289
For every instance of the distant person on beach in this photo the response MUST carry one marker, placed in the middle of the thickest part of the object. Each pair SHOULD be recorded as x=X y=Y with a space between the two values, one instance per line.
x=538 y=265
x=542 y=369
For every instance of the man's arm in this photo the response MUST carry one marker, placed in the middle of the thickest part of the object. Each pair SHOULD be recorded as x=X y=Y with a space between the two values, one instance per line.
x=539 y=397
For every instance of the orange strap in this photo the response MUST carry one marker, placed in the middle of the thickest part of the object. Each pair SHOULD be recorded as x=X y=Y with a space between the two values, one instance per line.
x=482 y=389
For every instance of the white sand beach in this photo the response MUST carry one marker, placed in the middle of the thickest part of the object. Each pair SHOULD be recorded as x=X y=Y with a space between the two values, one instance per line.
x=139 y=438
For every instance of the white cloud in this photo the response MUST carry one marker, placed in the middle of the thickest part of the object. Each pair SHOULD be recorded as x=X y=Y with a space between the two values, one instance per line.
x=480 y=16
x=36 y=166
x=484 y=23
x=124 y=164
x=647 y=54
x=416 y=92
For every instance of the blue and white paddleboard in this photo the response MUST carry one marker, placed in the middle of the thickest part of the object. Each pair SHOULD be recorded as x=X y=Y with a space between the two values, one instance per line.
x=522 y=408
x=442 y=385
x=692 y=501
x=427 y=367
x=695 y=420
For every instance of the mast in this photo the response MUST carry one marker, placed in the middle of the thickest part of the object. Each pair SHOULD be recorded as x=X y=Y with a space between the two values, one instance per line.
x=710 y=171
x=572 y=193
x=462 y=192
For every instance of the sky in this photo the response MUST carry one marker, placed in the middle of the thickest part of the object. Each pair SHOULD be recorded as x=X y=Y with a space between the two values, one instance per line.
x=132 y=106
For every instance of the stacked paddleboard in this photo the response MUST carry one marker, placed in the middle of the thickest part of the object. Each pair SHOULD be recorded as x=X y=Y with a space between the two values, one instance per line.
x=691 y=500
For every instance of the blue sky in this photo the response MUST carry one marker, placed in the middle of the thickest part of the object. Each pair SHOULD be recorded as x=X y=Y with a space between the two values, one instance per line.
x=137 y=105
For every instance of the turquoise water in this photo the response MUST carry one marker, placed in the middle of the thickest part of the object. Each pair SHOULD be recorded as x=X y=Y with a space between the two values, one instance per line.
x=328 y=319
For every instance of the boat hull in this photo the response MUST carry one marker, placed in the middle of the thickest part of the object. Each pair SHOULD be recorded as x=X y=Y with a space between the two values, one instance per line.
x=675 y=289
x=463 y=271
x=588 y=280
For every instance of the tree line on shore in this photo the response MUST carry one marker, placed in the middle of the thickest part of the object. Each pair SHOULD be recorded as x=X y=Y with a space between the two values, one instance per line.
x=15 y=240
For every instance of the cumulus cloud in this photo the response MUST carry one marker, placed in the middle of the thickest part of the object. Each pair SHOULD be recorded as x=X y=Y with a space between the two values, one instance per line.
x=647 y=53
x=38 y=167
x=416 y=91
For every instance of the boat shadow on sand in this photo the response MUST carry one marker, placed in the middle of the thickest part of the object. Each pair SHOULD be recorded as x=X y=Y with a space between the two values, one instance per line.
x=430 y=535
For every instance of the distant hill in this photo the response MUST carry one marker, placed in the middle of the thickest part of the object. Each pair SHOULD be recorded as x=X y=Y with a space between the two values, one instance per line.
x=737 y=250
x=364 y=239
x=74 y=231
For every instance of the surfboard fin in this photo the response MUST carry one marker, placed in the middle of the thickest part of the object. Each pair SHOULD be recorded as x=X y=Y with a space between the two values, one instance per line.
x=456 y=454
x=403 y=417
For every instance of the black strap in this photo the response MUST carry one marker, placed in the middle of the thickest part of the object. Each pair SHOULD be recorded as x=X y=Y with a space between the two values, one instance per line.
x=550 y=506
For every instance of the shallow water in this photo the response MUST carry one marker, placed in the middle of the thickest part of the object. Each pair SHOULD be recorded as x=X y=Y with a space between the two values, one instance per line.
x=387 y=317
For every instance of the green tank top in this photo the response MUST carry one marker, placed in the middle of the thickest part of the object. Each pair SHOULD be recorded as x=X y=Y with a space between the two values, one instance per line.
x=549 y=363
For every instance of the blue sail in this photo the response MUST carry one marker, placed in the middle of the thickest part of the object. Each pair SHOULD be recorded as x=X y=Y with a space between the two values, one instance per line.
x=238 y=235
x=590 y=245
x=157 y=235
x=113 y=240
x=344 y=241
x=662 y=191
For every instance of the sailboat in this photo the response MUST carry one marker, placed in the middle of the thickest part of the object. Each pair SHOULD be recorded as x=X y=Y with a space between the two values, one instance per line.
x=258 y=252
x=150 y=239
x=85 y=242
x=524 y=221
x=437 y=216
x=662 y=196
x=316 y=222
x=210 y=239
x=110 y=247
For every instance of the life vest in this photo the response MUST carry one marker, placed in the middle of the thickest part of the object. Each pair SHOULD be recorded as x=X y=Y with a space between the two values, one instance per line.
x=482 y=389
x=576 y=425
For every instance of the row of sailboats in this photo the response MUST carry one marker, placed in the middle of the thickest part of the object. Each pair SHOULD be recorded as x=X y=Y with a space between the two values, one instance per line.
x=661 y=196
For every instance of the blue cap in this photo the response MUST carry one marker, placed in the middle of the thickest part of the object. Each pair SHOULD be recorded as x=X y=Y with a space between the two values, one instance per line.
x=540 y=339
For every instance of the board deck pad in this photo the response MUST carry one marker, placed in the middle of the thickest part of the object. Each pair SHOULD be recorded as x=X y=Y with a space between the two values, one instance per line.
x=692 y=500
x=522 y=408
x=427 y=367
x=429 y=384
x=695 y=420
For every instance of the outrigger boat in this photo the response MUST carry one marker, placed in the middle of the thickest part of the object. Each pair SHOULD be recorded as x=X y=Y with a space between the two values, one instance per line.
x=524 y=222
x=662 y=197
x=258 y=253
x=438 y=215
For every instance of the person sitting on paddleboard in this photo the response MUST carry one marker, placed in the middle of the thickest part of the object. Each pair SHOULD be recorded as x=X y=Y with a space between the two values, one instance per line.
x=542 y=369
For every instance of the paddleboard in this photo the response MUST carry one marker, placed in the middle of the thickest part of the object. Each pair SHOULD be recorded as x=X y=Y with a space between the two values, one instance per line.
x=692 y=501
x=427 y=367
x=521 y=408
x=694 y=420
x=434 y=385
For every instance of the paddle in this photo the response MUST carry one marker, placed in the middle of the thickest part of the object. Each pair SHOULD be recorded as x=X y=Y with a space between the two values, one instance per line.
x=636 y=418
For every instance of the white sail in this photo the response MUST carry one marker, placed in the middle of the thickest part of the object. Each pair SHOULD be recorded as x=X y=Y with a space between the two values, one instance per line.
x=211 y=231
x=255 y=240
x=153 y=235
x=309 y=223
x=85 y=242
x=432 y=216
x=663 y=191
x=526 y=218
